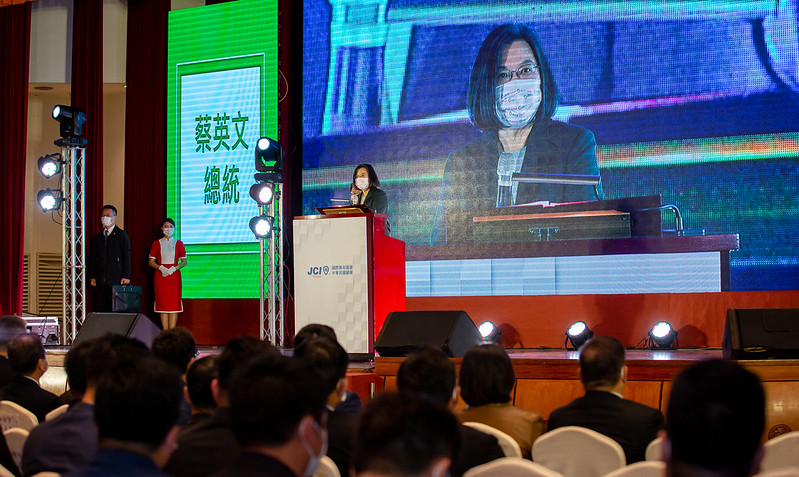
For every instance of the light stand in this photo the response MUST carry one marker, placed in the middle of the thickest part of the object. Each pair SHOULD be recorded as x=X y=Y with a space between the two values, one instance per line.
x=73 y=262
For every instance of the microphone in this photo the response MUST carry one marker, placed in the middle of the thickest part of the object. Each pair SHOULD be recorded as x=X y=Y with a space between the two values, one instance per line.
x=505 y=171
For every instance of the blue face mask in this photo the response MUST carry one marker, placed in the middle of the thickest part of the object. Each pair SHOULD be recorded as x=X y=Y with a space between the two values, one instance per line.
x=517 y=102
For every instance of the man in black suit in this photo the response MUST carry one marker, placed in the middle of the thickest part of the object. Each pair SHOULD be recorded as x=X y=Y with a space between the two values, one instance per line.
x=109 y=260
x=430 y=374
x=11 y=326
x=29 y=363
x=602 y=408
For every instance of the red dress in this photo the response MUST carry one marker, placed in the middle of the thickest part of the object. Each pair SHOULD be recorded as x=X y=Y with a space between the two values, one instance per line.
x=168 y=289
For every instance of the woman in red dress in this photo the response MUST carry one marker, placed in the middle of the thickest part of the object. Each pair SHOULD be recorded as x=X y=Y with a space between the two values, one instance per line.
x=168 y=256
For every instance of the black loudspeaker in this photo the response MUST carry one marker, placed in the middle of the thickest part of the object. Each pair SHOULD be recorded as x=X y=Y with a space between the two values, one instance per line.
x=132 y=325
x=761 y=334
x=406 y=331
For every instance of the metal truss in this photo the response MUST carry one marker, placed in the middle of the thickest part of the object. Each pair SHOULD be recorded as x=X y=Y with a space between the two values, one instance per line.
x=74 y=243
x=271 y=273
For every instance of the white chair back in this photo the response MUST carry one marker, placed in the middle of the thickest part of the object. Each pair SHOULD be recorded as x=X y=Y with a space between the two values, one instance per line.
x=6 y=473
x=578 y=452
x=782 y=451
x=13 y=415
x=15 y=438
x=326 y=468
x=511 y=467
x=647 y=468
x=654 y=451
x=508 y=444
x=56 y=412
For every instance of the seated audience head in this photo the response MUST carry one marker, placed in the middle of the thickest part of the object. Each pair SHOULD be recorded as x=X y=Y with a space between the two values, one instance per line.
x=108 y=351
x=136 y=407
x=237 y=351
x=278 y=408
x=405 y=435
x=198 y=384
x=329 y=359
x=314 y=330
x=429 y=373
x=26 y=356
x=602 y=364
x=175 y=346
x=11 y=326
x=715 y=421
x=486 y=376
x=76 y=365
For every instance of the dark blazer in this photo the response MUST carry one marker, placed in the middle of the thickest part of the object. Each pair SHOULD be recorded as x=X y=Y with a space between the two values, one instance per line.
x=119 y=463
x=341 y=429
x=629 y=423
x=256 y=465
x=28 y=394
x=6 y=375
x=109 y=263
x=376 y=200
x=470 y=176
x=62 y=444
x=204 y=447
x=477 y=448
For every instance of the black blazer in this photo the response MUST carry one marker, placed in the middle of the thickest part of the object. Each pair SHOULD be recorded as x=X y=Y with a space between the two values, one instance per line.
x=204 y=447
x=109 y=258
x=28 y=394
x=376 y=200
x=629 y=423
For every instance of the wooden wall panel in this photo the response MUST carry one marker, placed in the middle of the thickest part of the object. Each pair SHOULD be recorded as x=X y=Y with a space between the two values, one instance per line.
x=545 y=395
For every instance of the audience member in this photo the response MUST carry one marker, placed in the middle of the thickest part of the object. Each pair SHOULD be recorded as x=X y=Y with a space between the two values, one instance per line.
x=351 y=402
x=430 y=374
x=329 y=359
x=486 y=380
x=209 y=444
x=11 y=326
x=714 y=421
x=136 y=411
x=405 y=436
x=198 y=388
x=28 y=363
x=70 y=440
x=277 y=410
x=177 y=347
x=602 y=408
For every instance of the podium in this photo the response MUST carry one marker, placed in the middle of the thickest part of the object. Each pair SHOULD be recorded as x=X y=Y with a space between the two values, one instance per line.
x=349 y=274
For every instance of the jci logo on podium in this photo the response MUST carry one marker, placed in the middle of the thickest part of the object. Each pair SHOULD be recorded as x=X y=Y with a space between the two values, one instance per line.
x=318 y=271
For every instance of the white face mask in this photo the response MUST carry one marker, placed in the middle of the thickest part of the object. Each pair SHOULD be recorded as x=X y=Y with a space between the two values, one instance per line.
x=362 y=183
x=168 y=231
x=106 y=221
x=313 y=459
x=518 y=101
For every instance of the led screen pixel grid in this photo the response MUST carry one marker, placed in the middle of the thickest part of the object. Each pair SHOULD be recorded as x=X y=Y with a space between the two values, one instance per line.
x=696 y=101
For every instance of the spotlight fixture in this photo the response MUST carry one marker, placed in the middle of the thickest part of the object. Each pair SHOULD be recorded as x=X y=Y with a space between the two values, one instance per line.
x=490 y=332
x=269 y=157
x=662 y=336
x=577 y=334
x=49 y=200
x=261 y=226
x=262 y=192
x=50 y=165
x=71 y=120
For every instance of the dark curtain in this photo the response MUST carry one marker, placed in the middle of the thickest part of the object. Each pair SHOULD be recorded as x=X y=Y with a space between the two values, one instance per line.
x=87 y=95
x=145 y=135
x=15 y=26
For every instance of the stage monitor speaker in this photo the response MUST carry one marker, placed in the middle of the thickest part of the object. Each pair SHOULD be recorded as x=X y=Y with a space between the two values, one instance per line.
x=132 y=325
x=761 y=334
x=406 y=331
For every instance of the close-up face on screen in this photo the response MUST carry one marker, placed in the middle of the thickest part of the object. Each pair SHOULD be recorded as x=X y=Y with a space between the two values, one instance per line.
x=452 y=101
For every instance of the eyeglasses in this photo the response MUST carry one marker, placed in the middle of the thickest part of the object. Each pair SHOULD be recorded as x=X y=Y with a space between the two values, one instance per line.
x=525 y=72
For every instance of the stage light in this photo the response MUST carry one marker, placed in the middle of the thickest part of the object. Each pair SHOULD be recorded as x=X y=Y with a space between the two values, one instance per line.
x=261 y=226
x=71 y=121
x=50 y=165
x=269 y=157
x=578 y=333
x=662 y=336
x=490 y=333
x=49 y=200
x=262 y=192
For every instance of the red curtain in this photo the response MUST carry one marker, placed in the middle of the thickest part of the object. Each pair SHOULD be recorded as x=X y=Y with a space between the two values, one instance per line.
x=15 y=26
x=87 y=94
x=145 y=134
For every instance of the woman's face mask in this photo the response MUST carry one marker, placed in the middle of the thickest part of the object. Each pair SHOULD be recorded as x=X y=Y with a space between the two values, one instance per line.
x=518 y=101
x=362 y=183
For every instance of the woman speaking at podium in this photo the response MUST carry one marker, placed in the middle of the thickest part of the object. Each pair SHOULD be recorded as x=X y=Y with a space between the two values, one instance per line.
x=512 y=97
x=366 y=189
x=167 y=257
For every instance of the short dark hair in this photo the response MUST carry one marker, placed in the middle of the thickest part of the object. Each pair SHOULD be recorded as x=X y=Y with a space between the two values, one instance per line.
x=374 y=182
x=11 y=326
x=269 y=396
x=138 y=401
x=482 y=83
x=109 y=206
x=486 y=376
x=237 y=351
x=76 y=364
x=198 y=382
x=403 y=435
x=24 y=353
x=327 y=357
x=314 y=330
x=175 y=346
x=168 y=220
x=601 y=362
x=427 y=372
x=715 y=418
x=109 y=350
